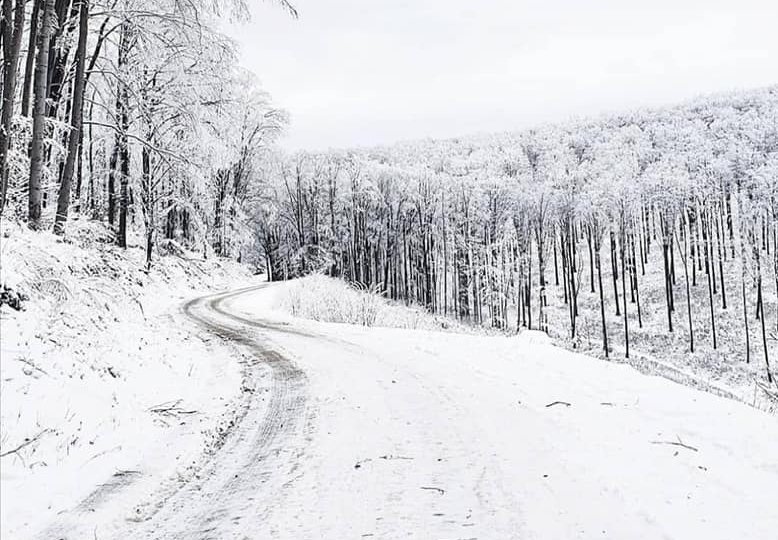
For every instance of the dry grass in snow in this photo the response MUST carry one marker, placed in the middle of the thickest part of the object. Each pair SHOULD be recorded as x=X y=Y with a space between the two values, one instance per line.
x=326 y=299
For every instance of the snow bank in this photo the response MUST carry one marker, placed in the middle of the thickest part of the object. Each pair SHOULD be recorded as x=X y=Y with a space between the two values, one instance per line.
x=532 y=338
x=100 y=371
x=326 y=299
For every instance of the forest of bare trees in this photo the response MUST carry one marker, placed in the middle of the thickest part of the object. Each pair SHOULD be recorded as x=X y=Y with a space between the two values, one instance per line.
x=612 y=233
x=133 y=113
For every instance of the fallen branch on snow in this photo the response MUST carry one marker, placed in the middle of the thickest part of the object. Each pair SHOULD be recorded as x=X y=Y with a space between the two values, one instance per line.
x=565 y=403
x=390 y=456
x=33 y=365
x=679 y=443
x=171 y=408
x=27 y=441
x=432 y=488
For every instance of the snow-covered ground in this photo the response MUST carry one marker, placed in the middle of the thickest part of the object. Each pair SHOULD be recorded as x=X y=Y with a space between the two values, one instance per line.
x=437 y=435
x=106 y=386
x=343 y=431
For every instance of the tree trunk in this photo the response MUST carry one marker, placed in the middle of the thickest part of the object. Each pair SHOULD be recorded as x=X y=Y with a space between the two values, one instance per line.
x=76 y=115
x=709 y=276
x=760 y=303
x=591 y=258
x=598 y=264
x=39 y=116
x=668 y=284
x=29 y=65
x=622 y=238
x=722 y=254
x=12 y=41
x=123 y=150
x=615 y=273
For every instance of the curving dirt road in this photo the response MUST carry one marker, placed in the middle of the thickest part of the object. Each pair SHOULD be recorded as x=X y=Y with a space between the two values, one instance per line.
x=350 y=432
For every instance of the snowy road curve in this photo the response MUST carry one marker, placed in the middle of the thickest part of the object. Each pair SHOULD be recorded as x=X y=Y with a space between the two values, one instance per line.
x=382 y=433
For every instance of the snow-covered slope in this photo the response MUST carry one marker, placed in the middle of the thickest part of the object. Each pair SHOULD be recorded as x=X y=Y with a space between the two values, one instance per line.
x=103 y=380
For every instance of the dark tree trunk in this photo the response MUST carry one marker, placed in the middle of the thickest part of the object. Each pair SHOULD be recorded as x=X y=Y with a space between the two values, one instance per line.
x=615 y=273
x=123 y=146
x=598 y=264
x=12 y=41
x=63 y=199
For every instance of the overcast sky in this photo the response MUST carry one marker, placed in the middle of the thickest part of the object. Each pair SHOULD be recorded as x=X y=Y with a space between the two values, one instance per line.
x=365 y=72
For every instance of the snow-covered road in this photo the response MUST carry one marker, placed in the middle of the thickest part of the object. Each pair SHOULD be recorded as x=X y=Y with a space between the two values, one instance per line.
x=383 y=433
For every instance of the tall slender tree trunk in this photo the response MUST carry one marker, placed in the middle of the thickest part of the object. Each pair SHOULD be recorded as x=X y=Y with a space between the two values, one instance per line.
x=709 y=276
x=29 y=65
x=591 y=258
x=722 y=255
x=150 y=203
x=39 y=116
x=123 y=150
x=760 y=303
x=634 y=270
x=13 y=27
x=615 y=273
x=685 y=261
x=624 y=293
x=598 y=264
x=668 y=284
x=63 y=199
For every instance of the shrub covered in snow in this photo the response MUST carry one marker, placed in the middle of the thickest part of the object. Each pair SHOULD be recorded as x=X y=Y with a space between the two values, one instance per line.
x=322 y=298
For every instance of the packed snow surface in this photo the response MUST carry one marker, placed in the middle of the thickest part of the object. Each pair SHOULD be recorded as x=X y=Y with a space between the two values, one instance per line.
x=361 y=432
x=438 y=435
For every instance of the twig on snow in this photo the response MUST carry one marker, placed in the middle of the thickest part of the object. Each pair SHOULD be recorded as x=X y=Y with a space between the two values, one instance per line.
x=27 y=441
x=171 y=408
x=33 y=365
x=679 y=443
x=432 y=488
x=565 y=403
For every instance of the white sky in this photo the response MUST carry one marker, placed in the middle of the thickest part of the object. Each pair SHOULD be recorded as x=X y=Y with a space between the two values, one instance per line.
x=365 y=72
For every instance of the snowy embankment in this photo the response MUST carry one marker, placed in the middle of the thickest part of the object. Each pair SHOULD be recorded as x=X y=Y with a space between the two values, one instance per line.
x=426 y=434
x=326 y=299
x=104 y=382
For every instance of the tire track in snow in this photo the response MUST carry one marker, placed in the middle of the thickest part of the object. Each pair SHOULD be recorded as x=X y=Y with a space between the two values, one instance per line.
x=241 y=482
x=248 y=475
